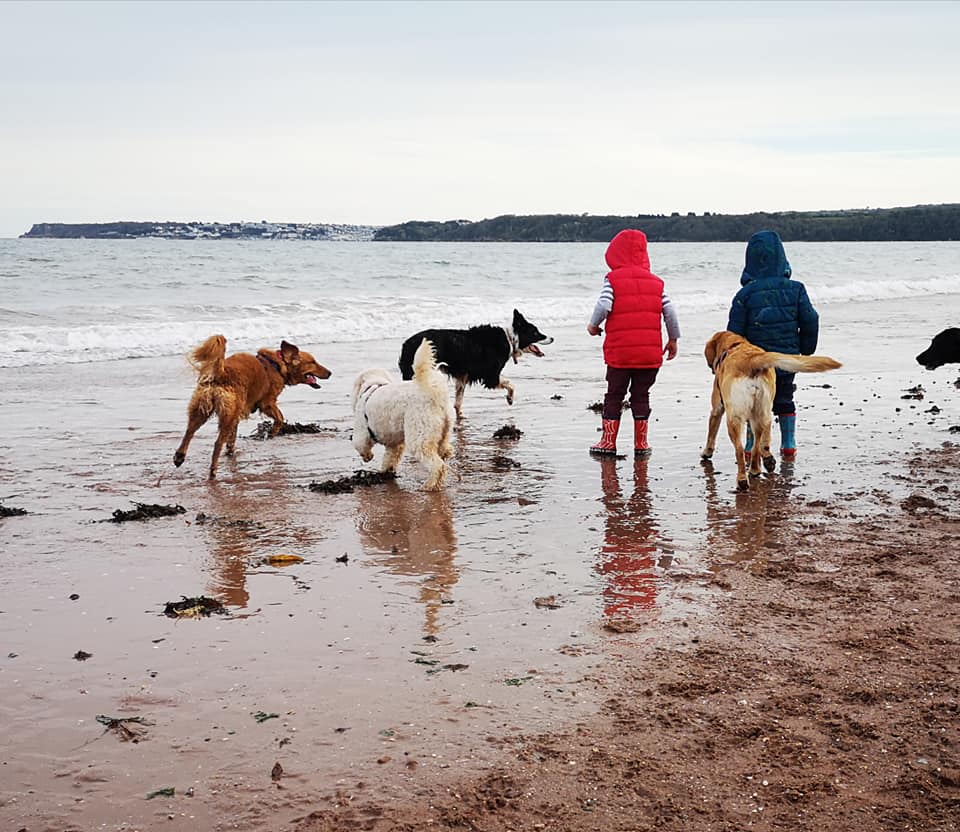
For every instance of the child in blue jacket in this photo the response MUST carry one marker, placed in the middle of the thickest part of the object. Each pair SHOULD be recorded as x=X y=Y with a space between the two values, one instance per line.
x=774 y=313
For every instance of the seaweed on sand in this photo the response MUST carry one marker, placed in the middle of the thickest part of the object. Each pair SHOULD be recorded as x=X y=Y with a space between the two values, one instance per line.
x=121 y=726
x=286 y=429
x=145 y=511
x=508 y=432
x=344 y=485
x=11 y=512
x=197 y=607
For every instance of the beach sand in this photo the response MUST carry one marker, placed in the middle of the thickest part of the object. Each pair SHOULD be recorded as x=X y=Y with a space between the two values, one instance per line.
x=696 y=637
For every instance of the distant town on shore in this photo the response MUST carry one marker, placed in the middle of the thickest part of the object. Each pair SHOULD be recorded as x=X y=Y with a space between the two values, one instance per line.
x=919 y=222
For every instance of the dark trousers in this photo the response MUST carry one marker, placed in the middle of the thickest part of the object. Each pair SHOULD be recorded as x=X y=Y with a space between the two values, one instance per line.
x=783 y=397
x=638 y=381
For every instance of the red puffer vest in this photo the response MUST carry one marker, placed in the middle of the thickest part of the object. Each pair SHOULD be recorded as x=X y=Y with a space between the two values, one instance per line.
x=634 y=338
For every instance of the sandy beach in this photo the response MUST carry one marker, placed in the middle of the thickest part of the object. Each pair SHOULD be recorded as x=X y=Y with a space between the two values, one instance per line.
x=553 y=642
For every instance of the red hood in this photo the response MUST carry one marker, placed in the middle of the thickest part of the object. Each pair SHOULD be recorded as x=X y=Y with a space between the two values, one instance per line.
x=628 y=248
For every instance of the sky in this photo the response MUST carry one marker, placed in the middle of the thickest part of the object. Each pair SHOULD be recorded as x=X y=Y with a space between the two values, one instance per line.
x=380 y=112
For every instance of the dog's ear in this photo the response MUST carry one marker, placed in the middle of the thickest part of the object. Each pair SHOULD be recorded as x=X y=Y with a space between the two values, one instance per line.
x=288 y=350
x=517 y=317
x=710 y=350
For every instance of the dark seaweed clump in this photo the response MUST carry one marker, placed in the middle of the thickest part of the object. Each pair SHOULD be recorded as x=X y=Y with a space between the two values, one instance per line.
x=193 y=607
x=146 y=511
x=344 y=485
x=11 y=512
x=286 y=429
x=508 y=432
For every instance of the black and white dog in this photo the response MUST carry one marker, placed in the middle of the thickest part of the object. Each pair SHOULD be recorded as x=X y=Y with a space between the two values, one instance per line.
x=478 y=354
x=944 y=349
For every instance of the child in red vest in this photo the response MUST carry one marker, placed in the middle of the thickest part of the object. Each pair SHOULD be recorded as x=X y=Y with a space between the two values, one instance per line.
x=632 y=302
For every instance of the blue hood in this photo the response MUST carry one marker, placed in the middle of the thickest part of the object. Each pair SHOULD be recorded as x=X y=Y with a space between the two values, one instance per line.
x=765 y=258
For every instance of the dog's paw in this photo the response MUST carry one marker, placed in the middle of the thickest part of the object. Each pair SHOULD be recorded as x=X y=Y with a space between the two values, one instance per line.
x=706 y=453
x=178 y=458
x=770 y=462
x=743 y=485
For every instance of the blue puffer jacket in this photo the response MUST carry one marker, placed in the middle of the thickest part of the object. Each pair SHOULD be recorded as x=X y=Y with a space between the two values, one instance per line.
x=771 y=310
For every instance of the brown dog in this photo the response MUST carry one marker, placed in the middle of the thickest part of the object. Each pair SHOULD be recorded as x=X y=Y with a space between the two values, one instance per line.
x=744 y=383
x=235 y=387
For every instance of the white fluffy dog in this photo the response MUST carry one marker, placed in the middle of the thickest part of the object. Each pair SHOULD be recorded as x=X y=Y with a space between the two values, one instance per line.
x=414 y=414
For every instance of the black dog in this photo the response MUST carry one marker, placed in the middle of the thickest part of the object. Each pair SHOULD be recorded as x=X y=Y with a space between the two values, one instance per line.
x=477 y=354
x=944 y=349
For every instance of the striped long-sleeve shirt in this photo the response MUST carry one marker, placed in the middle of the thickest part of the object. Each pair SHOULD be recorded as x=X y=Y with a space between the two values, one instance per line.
x=605 y=306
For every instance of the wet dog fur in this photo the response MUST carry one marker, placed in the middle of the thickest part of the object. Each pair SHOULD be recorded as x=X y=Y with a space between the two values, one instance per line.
x=744 y=383
x=478 y=354
x=415 y=415
x=237 y=386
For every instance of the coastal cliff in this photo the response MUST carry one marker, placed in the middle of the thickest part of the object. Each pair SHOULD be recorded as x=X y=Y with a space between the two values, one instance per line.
x=921 y=222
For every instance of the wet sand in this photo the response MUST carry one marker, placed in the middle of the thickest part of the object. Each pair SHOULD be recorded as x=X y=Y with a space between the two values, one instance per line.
x=423 y=659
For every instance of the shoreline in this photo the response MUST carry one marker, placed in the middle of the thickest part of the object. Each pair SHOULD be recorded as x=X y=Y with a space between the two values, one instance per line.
x=342 y=651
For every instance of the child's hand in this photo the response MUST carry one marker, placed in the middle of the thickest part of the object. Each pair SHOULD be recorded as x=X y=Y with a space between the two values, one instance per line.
x=593 y=329
x=671 y=349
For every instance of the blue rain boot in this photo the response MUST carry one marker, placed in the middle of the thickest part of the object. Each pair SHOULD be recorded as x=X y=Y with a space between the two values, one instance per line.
x=788 y=438
x=748 y=445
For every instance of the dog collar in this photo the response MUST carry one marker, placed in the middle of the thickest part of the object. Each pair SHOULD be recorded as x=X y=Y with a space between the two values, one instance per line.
x=269 y=362
x=722 y=357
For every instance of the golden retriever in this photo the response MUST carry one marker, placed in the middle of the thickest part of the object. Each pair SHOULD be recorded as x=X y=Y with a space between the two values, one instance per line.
x=235 y=387
x=744 y=382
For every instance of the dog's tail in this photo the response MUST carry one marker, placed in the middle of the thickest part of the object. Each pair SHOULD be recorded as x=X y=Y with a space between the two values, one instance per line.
x=207 y=359
x=794 y=363
x=425 y=371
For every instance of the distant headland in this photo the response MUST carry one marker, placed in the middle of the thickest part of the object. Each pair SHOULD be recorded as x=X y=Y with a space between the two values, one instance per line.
x=921 y=222
x=918 y=223
x=201 y=231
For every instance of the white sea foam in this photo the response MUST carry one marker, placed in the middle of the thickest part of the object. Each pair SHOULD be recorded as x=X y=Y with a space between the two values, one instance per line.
x=76 y=302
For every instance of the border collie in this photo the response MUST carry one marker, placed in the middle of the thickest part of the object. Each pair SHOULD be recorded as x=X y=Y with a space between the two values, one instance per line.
x=944 y=349
x=478 y=354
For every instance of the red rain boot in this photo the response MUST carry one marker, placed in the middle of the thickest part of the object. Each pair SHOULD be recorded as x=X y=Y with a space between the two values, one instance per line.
x=640 y=446
x=608 y=442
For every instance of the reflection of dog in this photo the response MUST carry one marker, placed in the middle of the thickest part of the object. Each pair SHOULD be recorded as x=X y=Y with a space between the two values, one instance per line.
x=235 y=387
x=743 y=386
x=478 y=354
x=412 y=536
x=415 y=414
x=944 y=349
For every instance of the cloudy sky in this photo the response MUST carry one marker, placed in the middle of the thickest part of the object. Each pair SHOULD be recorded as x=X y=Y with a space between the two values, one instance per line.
x=376 y=113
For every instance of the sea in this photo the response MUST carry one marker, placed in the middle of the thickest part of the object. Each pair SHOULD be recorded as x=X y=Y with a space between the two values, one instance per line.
x=80 y=301
x=415 y=626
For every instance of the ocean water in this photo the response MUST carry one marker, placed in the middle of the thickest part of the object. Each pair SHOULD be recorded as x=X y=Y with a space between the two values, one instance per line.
x=74 y=301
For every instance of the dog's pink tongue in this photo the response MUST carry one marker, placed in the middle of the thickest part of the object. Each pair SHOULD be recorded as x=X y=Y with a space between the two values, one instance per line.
x=535 y=350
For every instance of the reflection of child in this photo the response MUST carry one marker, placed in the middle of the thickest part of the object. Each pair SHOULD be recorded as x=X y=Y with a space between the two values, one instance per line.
x=632 y=302
x=627 y=557
x=774 y=313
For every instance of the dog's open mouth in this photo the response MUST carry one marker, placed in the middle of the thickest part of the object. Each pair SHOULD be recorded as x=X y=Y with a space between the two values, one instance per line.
x=312 y=381
x=533 y=349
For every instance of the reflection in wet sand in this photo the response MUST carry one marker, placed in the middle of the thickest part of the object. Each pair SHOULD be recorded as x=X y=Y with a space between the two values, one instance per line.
x=240 y=521
x=753 y=522
x=631 y=539
x=412 y=533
